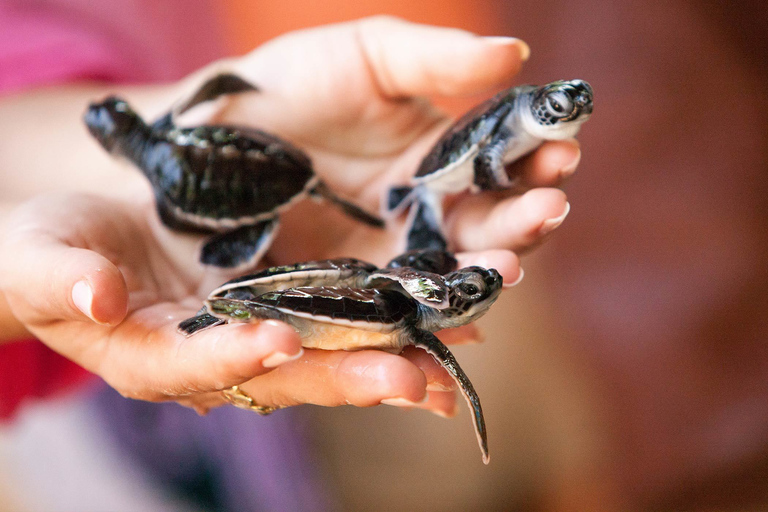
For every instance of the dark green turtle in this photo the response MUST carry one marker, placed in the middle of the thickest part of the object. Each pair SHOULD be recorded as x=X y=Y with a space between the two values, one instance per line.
x=473 y=152
x=347 y=304
x=230 y=181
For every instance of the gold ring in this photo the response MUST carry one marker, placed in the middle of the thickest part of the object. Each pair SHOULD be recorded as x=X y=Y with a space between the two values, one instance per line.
x=243 y=400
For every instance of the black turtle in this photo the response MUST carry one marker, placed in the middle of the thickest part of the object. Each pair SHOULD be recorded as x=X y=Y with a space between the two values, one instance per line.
x=230 y=181
x=472 y=153
x=347 y=304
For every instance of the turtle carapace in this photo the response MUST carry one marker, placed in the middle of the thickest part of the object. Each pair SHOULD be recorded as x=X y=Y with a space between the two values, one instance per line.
x=228 y=181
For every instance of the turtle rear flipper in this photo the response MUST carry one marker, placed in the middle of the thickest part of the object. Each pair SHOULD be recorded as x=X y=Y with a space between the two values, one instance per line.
x=398 y=198
x=203 y=320
x=442 y=355
x=425 y=226
x=241 y=247
x=321 y=191
x=244 y=310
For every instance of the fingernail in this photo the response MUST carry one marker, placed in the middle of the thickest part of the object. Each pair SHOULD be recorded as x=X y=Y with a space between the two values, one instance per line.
x=278 y=358
x=569 y=169
x=403 y=402
x=82 y=296
x=525 y=50
x=550 y=224
x=517 y=281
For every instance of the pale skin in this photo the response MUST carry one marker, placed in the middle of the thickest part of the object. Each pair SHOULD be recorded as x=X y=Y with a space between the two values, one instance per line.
x=351 y=95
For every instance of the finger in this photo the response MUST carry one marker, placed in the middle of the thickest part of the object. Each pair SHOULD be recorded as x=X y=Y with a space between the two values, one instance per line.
x=505 y=262
x=148 y=359
x=442 y=403
x=409 y=59
x=549 y=166
x=202 y=403
x=463 y=335
x=518 y=223
x=333 y=378
x=55 y=281
x=437 y=378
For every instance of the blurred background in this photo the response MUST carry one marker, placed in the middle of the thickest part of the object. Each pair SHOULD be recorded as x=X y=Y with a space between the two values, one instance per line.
x=629 y=369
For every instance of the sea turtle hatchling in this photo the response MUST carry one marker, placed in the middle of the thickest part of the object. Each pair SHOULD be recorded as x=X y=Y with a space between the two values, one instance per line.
x=473 y=152
x=232 y=182
x=347 y=304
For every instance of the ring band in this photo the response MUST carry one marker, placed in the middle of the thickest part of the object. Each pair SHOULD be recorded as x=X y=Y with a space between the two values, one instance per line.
x=243 y=400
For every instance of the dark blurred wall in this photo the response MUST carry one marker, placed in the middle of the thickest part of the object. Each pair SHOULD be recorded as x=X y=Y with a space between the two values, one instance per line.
x=659 y=274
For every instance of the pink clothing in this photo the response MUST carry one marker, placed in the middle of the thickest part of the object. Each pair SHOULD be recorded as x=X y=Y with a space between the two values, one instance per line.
x=54 y=41
x=48 y=42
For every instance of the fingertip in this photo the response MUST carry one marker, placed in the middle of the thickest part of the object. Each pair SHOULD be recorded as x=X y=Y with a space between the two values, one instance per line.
x=370 y=377
x=465 y=334
x=486 y=63
x=110 y=294
x=522 y=48
x=506 y=262
x=515 y=223
x=551 y=223
x=540 y=211
x=410 y=59
x=442 y=403
x=550 y=165
x=249 y=349
x=99 y=291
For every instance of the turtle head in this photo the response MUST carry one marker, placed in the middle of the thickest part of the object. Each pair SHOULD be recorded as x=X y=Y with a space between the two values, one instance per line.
x=558 y=109
x=471 y=291
x=111 y=121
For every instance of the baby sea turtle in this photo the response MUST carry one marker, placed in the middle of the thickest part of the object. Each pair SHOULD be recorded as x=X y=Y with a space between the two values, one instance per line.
x=230 y=181
x=348 y=304
x=473 y=152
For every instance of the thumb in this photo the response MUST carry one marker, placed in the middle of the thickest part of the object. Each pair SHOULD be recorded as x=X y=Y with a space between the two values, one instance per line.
x=47 y=280
x=409 y=59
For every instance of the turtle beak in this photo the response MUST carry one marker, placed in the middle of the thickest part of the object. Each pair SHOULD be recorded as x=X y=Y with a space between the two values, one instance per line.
x=584 y=104
x=583 y=98
x=99 y=125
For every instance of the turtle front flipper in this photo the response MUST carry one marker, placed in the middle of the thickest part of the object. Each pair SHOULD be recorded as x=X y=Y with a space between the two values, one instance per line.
x=241 y=247
x=489 y=171
x=429 y=260
x=425 y=287
x=425 y=226
x=219 y=85
x=321 y=191
x=442 y=355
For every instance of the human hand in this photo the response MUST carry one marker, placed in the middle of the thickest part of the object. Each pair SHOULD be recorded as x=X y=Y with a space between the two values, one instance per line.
x=349 y=108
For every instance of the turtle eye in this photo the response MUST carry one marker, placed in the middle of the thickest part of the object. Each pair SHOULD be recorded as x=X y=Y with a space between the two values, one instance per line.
x=559 y=104
x=469 y=289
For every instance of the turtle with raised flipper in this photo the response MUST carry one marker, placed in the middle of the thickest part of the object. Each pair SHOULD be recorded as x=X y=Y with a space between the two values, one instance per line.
x=473 y=152
x=230 y=181
x=347 y=304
